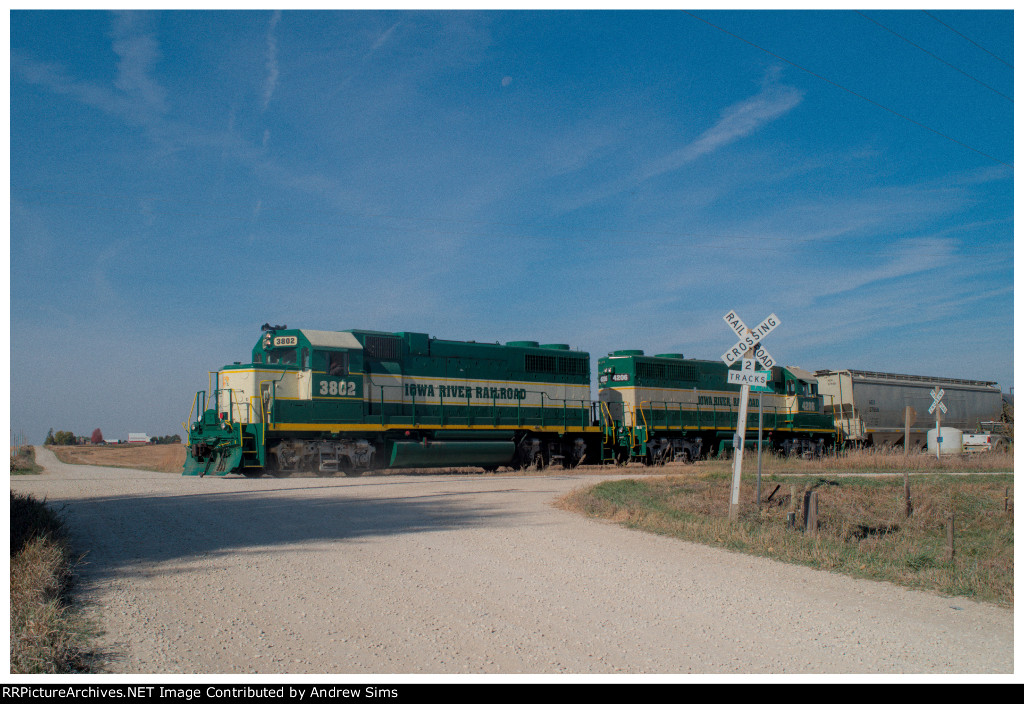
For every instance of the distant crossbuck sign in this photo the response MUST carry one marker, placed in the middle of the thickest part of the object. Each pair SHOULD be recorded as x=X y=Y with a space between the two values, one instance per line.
x=749 y=339
x=937 y=403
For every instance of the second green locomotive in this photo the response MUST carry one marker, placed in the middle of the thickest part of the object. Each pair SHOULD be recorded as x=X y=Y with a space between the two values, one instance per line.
x=667 y=407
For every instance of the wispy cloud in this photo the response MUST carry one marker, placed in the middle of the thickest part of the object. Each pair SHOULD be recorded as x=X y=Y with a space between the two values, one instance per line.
x=135 y=95
x=735 y=122
x=270 y=84
x=384 y=38
x=138 y=53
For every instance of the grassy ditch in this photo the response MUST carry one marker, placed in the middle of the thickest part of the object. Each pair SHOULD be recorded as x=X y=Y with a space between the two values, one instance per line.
x=863 y=530
x=47 y=635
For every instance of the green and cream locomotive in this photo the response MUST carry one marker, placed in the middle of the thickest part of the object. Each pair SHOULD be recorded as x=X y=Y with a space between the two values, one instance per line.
x=665 y=407
x=357 y=400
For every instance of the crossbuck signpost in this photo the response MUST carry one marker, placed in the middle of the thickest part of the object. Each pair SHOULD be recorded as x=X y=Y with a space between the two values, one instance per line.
x=748 y=352
x=938 y=408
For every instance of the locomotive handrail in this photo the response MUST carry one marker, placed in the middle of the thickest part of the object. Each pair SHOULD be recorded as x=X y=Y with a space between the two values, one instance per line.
x=565 y=408
x=644 y=415
x=607 y=422
x=198 y=409
x=695 y=406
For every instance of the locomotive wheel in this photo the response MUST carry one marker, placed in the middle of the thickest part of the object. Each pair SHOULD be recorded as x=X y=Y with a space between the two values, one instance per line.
x=538 y=462
x=271 y=467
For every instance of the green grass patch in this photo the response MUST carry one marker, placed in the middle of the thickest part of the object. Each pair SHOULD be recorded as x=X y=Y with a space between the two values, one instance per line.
x=47 y=634
x=863 y=529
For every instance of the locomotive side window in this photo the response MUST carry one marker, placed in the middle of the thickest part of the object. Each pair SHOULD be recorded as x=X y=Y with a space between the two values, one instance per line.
x=305 y=358
x=337 y=363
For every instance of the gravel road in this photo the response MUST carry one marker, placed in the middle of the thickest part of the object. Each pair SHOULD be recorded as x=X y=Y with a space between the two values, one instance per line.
x=465 y=574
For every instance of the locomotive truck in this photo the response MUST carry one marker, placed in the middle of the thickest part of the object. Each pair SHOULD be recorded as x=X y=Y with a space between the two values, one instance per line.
x=357 y=400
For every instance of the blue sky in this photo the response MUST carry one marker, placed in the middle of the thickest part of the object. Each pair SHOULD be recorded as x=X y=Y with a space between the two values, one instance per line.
x=608 y=180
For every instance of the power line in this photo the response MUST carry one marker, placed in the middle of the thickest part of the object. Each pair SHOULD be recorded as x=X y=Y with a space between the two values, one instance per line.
x=851 y=92
x=937 y=58
x=966 y=37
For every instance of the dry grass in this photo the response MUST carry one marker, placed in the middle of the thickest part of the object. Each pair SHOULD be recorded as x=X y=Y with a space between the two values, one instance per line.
x=156 y=458
x=47 y=635
x=863 y=530
x=885 y=459
x=23 y=461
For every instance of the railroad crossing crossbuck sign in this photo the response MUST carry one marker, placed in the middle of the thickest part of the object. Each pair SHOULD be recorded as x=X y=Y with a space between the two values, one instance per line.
x=937 y=394
x=748 y=352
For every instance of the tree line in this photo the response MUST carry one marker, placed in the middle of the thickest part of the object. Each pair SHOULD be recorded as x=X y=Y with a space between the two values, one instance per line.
x=66 y=437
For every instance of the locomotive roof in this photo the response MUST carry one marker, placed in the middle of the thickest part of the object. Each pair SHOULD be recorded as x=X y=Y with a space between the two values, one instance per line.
x=327 y=338
x=802 y=374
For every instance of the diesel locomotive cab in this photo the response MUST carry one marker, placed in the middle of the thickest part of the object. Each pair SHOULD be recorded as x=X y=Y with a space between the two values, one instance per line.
x=233 y=422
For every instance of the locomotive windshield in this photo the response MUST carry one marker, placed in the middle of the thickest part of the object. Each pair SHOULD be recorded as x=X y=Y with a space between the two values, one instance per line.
x=281 y=356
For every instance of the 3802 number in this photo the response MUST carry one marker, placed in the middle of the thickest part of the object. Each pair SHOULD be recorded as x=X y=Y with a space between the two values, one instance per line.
x=337 y=388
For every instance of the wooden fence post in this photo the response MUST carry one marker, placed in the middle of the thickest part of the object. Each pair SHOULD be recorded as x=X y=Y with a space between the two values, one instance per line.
x=813 y=517
x=908 y=507
x=950 y=550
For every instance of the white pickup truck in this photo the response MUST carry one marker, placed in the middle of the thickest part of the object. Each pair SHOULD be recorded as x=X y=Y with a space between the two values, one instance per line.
x=984 y=442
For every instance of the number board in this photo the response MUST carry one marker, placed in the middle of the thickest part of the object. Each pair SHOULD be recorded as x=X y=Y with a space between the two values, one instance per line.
x=337 y=388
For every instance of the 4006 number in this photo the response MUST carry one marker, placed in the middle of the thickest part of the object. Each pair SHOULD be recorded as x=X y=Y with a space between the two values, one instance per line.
x=337 y=388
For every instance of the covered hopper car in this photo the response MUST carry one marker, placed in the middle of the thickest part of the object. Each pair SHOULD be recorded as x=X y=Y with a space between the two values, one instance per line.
x=357 y=400
x=870 y=407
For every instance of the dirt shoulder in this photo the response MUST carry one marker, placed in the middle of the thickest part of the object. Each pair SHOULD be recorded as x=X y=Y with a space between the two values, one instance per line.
x=157 y=458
